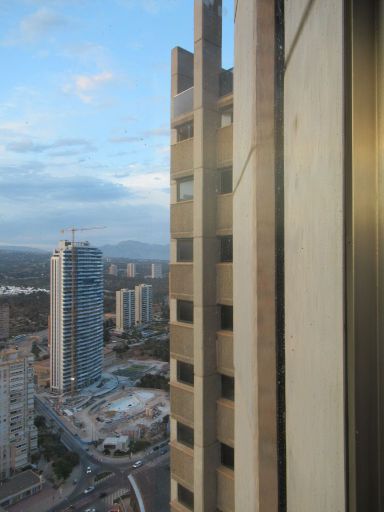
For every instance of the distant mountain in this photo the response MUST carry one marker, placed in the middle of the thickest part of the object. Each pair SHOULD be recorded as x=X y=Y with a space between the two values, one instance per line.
x=136 y=251
x=22 y=248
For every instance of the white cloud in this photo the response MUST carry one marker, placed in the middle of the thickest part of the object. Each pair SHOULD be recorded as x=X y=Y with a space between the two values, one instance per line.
x=84 y=85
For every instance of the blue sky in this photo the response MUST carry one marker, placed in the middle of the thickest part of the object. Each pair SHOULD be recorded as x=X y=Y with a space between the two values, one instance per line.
x=84 y=116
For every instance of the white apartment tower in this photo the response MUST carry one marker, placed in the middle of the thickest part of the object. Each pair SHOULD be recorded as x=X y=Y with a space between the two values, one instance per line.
x=76 y=326
x=156 y=270
x=143 y=306
x=112 y=271
x=4 y=321
x=131 y=270
x=125 y=309
x=18 y=435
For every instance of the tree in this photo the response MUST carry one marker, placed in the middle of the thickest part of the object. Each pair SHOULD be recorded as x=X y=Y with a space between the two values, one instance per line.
x=40 y=422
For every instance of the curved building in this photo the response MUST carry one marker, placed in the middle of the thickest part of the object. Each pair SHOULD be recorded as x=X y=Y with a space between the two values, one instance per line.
x=76 y=326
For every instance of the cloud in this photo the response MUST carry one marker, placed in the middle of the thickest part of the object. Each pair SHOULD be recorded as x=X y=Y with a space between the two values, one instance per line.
x=38 y=25
x=151 y=6
x=84 y=85
x=29 y=146
x=118 y=140
x=156 y=132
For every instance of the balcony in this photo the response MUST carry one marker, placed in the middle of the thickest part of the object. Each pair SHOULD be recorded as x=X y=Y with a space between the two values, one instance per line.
x=225 y=146
x=225 y=489
x=182 y=464
x=183 y=103
x=225 y=421
x=224 y=214
x=224 y=348
x=181 y=281
x=224 y=283
x=182 y=403
x=182 y=342
x=181 y=157
x=182 y=219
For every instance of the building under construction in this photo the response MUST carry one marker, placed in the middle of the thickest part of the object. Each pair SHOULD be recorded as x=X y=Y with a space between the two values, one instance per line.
x=76 y=326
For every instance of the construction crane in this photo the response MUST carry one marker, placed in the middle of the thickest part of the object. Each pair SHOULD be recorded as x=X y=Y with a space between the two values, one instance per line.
x=73 y=230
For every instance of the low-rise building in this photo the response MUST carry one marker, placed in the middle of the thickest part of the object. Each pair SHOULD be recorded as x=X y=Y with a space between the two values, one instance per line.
x=116 y=443
x=21 y=486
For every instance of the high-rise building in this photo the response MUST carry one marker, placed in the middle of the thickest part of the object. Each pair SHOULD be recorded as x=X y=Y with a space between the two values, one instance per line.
x=131 y=270
x=112 y=270
x=125 y=309
x=143 y=304
x=18 y=435
x=277 y=359
x=4 y=321
x=76 y=316
x=156 y=271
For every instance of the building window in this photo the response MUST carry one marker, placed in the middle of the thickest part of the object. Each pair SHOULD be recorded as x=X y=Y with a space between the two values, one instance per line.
x=185 y=311
x=185 y=189
x=226 y=318
x=228 y=387
x=226 y=254
x=185 y=373
x=185 y=435
x=184 y=131
x=227 y=456
x=226 y=117
x=185 y=249
x=185 y=497
x=225 y=181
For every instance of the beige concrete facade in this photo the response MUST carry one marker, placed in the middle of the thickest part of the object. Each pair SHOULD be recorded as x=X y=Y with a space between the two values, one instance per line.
x=306 y=288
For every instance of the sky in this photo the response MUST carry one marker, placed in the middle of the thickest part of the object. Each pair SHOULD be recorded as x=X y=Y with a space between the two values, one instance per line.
x=84 y=116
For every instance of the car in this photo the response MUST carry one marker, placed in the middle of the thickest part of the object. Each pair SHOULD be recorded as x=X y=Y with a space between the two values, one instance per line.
x=163 y=451
x=137 y=464
x=90 y=510
x=102 y=495
x=74 y=481
x=89 y=470
x=89 y=489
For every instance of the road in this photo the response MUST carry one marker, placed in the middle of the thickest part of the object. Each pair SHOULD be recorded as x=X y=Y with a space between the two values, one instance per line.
x=120 y=469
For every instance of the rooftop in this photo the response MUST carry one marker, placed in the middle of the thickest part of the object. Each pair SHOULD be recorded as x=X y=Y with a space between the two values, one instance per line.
x=18 y=483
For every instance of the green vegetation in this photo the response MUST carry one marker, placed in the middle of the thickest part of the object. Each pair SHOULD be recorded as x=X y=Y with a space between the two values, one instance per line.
x=135 y=371
x=63 y=461
x=158 y=350
x=138 y=446
x=154 y=381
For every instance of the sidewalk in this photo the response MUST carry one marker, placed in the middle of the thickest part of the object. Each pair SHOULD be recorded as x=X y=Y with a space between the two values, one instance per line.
x=48 y=497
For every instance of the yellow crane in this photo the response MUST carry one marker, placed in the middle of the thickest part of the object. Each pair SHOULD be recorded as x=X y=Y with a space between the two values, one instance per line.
x=74 y=230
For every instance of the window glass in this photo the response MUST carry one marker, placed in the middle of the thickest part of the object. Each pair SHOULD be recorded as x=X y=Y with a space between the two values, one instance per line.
x=226 y=117
x=226 y=253
x=225 y=181
x=185 y=434
x=185 y=189
x=227 y=456
x=184 y=131
x=185 y=311
x=185 y=372
x=226 y=320
x=227 y=387
x=185 y=497
x=185 y=249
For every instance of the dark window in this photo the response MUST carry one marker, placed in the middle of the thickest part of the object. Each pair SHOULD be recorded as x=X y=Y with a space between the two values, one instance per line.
x=185 y=372
x=185 y=249
x=225 y=181
x=227 y=387
x=226 y=318
x=185 y=434
x=185 y=189
x=226 y=249
x=184 y=131
x=185 y=497
x=185 y=311
x=227 y=456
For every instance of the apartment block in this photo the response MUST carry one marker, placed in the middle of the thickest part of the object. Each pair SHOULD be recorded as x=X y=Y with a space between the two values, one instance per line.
x=18 y=435
x=76 y=316
x=143 y=304
x=112 y=270
x=131 y=270
x=156 y=270
x=4 y=321
x=277 y=257
x=125 y=309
